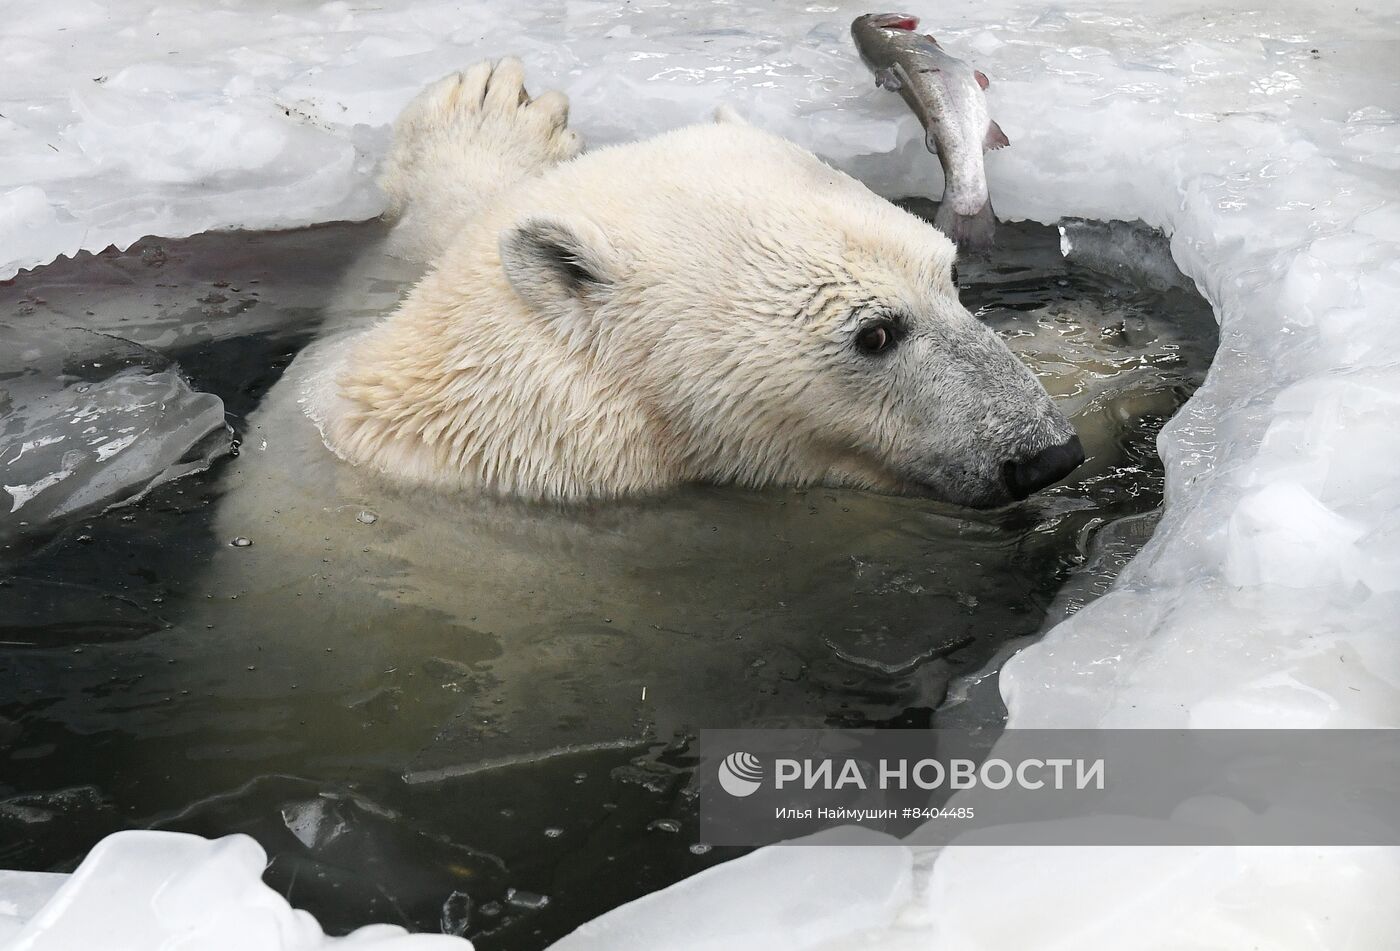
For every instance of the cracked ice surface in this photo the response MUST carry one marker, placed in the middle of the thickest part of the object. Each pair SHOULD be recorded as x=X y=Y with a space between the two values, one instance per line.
x=1264 y=141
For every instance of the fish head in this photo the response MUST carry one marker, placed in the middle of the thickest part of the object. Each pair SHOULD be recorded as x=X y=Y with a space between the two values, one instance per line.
x=903 y=22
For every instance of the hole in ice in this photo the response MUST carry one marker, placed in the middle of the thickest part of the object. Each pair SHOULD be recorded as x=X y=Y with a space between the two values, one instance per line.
x=451 y=714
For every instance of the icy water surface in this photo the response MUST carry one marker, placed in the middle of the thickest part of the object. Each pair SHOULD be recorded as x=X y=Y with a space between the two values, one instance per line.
x=466 y=715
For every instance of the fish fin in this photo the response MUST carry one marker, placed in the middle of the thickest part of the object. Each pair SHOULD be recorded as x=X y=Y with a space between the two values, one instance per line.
x=996 y=139
x=969 y=232
x=888 y=79
x=982 y=79
x=932 y=39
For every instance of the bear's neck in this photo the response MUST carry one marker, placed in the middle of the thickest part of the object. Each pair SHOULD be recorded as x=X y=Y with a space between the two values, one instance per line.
x=491 y=402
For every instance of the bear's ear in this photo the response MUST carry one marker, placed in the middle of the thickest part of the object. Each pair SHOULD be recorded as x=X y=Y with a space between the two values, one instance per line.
x=561 y=268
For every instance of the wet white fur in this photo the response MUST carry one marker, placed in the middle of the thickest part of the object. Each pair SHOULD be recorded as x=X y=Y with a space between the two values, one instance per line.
x=732 y=271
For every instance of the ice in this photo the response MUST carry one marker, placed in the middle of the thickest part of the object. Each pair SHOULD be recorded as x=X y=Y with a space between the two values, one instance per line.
x=1282 y=535
x=852 y=885
x=143 y=890
x=21 y=895
x=1122 y=249
x=1262 y=139
x=456 y=913
x=1147 y=899
x=526 y=901
x=92 y=421
x=315 y=823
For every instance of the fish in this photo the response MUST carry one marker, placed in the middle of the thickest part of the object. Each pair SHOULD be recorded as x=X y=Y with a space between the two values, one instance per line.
x=948 y=97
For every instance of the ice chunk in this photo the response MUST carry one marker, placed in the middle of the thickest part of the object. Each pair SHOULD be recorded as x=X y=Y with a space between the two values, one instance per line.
x=29 y=219
x=791 y=897
x=456 y=913
x=77 y=805
x=172 y=890
x=316 y=822
x=22 y=894
x=1128 y=250
x=1110 y=899
x=525 y=901
x=90 y=422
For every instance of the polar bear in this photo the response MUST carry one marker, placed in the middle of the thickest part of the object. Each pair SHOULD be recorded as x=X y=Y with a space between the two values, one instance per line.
x=712 y=305
x=712 y=309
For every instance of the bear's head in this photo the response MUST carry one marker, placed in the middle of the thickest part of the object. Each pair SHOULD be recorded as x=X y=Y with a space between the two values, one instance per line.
x=777 y=322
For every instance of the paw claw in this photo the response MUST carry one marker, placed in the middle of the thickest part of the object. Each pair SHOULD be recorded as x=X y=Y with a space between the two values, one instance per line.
x=474 y=82
x=506 y=89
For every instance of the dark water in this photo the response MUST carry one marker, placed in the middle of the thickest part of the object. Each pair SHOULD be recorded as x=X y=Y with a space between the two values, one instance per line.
x=470 y=716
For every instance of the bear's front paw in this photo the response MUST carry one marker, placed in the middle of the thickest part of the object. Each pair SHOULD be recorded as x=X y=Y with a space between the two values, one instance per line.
x=485 y=112
x=462 y=141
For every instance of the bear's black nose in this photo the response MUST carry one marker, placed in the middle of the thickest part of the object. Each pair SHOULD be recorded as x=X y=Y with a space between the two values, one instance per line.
x=1046 y=467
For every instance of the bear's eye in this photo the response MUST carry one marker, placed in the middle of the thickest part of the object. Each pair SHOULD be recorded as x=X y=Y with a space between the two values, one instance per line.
x=876 y=338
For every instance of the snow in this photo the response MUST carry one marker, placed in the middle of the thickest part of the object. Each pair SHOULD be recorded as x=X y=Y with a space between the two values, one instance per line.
x=1263 y=140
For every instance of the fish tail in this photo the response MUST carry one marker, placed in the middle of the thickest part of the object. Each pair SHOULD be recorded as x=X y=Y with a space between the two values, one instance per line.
x=969 y=232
